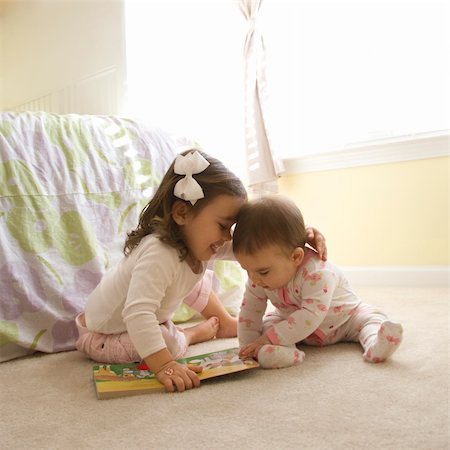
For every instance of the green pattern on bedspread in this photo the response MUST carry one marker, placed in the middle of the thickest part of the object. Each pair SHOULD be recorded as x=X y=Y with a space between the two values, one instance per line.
x=70 y=187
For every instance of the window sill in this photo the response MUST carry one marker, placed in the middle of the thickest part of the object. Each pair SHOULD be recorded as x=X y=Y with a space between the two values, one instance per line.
x=376 y=152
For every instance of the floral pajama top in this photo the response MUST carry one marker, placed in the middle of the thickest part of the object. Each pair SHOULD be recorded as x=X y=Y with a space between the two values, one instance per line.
x=315 y=302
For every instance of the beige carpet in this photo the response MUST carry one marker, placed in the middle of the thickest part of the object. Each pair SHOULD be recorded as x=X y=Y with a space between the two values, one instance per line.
x=334 y=400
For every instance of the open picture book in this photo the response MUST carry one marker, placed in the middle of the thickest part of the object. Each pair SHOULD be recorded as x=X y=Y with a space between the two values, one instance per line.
x=118 y=380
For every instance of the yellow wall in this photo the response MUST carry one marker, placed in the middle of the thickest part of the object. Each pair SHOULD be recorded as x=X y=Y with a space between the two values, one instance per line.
x=380 y=215
x=48 y=45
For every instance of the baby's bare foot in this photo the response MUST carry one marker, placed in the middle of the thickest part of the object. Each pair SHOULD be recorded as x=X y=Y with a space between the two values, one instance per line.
x=202 y=332
x=227 y=328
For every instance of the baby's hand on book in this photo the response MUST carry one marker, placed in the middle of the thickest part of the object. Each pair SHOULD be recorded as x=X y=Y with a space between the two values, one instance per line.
x=251 y=350
x=178 y=377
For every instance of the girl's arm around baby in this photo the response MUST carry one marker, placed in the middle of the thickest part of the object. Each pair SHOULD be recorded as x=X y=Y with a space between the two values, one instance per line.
x=314 y=238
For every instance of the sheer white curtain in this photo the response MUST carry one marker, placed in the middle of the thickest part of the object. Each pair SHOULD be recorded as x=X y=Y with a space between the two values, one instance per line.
x=335 y=79
x=263 y=165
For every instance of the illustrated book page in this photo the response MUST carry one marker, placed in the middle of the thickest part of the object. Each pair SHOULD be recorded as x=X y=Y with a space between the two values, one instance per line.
x=118 y=380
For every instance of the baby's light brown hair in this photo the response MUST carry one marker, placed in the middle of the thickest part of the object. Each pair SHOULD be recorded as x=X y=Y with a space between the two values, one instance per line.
x=270 y=220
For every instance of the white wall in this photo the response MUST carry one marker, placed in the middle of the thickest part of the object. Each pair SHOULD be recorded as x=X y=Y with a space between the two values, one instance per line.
x=54 y=54
x=185 y=72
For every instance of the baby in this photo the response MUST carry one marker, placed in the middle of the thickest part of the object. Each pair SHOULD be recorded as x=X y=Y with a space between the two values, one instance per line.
x=314 y=303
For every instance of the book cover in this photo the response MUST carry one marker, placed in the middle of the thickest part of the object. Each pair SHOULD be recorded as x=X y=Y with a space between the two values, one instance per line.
x=118 y=380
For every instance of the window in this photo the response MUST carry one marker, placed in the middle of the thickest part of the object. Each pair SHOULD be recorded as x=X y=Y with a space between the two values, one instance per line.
x=340 y=72
x=343 y=72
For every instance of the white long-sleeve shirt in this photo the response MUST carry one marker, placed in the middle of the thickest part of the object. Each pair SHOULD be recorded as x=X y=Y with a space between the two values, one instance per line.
x=142 y=291
x=316 y=301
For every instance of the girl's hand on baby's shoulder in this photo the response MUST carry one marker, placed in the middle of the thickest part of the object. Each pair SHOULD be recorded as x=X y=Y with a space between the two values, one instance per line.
x=317 y=240
x=178 y=377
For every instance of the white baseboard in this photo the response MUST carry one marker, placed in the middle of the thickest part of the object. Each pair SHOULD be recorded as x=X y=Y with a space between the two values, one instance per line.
x=401 y=276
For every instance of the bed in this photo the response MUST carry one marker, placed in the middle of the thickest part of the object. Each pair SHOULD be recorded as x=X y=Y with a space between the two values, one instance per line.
x=70 y=187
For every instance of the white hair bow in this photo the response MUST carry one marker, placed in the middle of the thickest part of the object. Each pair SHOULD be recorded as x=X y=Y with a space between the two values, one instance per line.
x=187 y=188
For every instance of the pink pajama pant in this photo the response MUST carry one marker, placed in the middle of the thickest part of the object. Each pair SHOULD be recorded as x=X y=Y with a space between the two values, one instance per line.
x=362 y=325
x=118 y=348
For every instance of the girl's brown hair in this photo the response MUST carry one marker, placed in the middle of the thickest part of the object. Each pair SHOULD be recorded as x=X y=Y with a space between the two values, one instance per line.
x=266 y=221
x=156 y=217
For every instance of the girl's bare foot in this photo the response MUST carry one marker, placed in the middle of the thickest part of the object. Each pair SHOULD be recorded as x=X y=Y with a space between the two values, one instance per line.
x=227 y=327
x=202 y=332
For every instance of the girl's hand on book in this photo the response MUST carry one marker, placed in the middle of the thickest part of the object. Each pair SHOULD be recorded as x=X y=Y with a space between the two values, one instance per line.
x=178 y=377
x=195 y=368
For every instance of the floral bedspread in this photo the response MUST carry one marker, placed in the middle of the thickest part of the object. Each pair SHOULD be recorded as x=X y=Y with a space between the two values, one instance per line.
x=70 y=188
